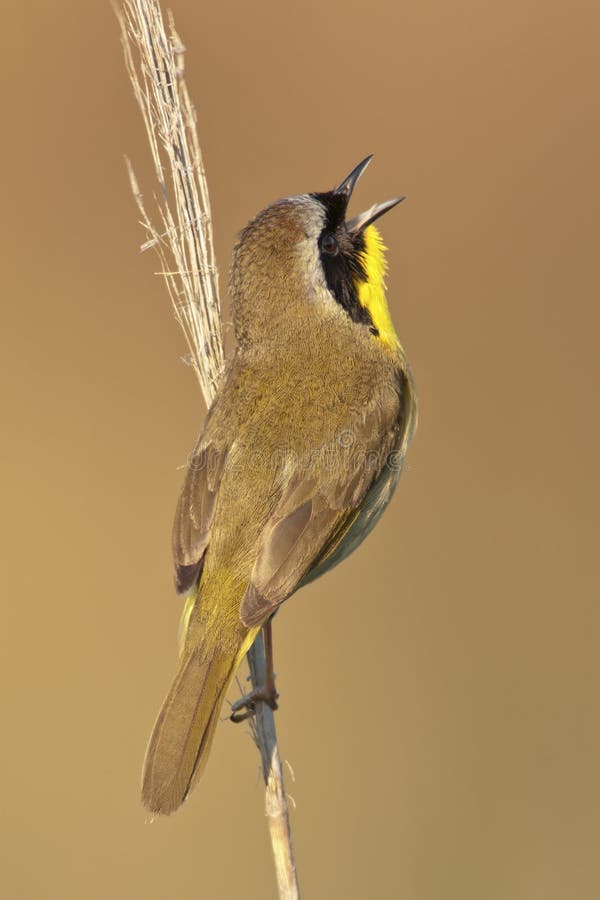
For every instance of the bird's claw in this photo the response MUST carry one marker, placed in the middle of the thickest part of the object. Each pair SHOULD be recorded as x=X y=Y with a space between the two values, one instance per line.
x=245 y=707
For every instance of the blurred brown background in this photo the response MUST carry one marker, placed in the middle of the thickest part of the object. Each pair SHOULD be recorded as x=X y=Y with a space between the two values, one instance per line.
x=446 y=748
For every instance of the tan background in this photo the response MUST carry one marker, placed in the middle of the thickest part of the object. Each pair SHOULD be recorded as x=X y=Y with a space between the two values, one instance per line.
x=447 y=746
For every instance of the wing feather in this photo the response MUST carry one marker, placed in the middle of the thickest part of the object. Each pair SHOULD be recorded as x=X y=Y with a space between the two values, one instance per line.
x=194 y=514
x=315 y=515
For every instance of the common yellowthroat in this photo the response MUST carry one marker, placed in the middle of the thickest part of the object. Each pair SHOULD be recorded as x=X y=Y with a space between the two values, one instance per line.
x=299 y=456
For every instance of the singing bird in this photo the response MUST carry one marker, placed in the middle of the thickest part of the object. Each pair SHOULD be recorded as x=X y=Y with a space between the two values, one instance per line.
x=300 y=453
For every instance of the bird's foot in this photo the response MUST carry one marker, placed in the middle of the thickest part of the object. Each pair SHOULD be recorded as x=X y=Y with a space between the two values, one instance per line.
x=245 y=707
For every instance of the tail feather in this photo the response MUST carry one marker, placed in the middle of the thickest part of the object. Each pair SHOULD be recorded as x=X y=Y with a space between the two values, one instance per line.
x=183 y=733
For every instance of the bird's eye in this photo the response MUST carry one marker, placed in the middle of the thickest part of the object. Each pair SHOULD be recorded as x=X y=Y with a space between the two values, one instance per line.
x=329 y=244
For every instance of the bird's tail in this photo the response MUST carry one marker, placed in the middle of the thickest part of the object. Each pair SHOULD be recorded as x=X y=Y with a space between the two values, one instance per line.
x=183 y=733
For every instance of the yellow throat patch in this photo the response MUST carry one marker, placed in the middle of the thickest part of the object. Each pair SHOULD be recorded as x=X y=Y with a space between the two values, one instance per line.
x=371 y=293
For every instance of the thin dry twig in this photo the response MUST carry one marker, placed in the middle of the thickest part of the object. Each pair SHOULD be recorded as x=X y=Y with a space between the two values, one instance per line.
x=184 y=243
x=276 y=806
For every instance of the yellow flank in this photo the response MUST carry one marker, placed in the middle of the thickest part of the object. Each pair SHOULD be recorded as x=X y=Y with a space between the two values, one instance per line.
x=185 y=619
x=371 y=293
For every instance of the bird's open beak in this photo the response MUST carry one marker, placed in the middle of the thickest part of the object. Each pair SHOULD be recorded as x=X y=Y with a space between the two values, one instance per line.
x=370 y=215
x=349 y=183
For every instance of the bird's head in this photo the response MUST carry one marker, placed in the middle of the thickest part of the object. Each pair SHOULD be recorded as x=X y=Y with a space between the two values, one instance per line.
x=301 y=258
